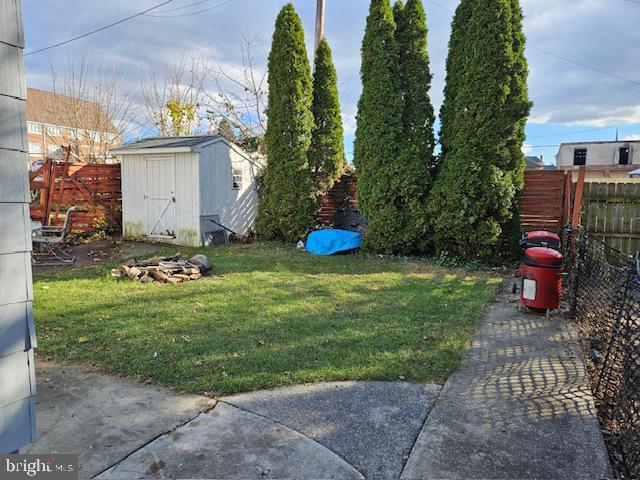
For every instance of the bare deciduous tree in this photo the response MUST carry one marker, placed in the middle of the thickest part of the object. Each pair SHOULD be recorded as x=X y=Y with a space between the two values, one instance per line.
x=91 y=109
x=172 y=102
x=240 y=97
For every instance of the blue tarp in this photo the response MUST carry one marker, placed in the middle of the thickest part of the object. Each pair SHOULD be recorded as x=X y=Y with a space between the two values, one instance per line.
x=328 y=242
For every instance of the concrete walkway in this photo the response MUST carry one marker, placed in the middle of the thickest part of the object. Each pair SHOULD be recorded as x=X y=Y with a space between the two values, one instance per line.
x=101 y=418
x=122 y=429
x=519 y=407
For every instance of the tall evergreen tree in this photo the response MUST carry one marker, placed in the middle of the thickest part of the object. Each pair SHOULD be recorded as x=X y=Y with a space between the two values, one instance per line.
x=414 y=78
x=473 y=196
x=390 y=186
x=454 y=67
x=518 y=107
x=287 y=206
x=326 y=153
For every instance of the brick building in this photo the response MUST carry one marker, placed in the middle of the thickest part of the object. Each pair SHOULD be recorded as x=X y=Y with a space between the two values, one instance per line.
x=55 y=121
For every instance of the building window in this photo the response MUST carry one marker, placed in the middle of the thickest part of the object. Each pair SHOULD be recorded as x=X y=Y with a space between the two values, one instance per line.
x=624 y=155
x=580 y=156
x=54 y=131
x=34 y=128
x=35 y=147
x=53 y=149
x=237 y=178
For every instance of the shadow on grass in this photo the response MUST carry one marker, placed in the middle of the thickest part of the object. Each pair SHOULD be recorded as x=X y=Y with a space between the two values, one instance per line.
x=273 y=319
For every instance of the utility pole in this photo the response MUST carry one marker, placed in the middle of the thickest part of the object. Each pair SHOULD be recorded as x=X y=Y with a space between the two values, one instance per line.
x=319 y=24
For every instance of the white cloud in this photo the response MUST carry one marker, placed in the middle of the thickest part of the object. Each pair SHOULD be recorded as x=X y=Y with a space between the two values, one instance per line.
x=562 y=92
x=527 y=149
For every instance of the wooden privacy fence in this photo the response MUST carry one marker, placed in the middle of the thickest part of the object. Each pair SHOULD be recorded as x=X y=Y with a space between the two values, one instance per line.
x=96 y=189
x=342 y=195
x=545 y=203
x=611 y=212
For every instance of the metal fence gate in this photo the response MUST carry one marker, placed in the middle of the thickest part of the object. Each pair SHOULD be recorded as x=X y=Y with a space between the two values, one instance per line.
x=602 y=287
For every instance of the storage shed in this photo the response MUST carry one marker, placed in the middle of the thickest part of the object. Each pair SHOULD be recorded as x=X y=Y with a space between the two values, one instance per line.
x=172 y=188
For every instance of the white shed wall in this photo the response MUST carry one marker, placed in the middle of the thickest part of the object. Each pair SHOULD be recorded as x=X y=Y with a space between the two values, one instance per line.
x=135 y=207
x=237 y=209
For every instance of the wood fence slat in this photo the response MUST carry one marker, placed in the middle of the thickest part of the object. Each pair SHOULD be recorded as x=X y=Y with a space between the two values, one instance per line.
x=96 y=188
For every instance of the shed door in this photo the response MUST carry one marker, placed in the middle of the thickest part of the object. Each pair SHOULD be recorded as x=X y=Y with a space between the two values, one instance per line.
x=160 y=196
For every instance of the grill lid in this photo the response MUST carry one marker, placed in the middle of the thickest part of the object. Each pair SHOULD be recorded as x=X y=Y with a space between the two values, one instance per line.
x=542 y=235
x=543 y=256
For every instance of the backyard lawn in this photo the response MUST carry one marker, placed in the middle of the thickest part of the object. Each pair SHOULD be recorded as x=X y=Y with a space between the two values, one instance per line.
x=269 y=316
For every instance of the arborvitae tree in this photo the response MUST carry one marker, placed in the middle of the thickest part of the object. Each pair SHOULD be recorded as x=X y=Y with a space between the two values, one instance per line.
x=474 y=193
x=326 y=153
x=288 y=204
x=390 y=186
x=518 y=107
x=454 y=73
x=414 y=78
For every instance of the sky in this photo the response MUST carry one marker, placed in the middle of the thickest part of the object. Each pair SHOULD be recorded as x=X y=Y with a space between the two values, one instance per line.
x=583 y=54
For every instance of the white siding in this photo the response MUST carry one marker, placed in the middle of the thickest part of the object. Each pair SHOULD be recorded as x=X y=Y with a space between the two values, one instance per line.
x=237 y=209
x=598 y=153
x=187 y=199
x=134 y=205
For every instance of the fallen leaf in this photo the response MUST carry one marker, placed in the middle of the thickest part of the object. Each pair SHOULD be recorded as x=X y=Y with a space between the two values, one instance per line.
x=82 y=339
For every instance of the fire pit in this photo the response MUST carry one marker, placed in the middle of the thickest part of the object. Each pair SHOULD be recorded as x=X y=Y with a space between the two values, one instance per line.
x=176 y=269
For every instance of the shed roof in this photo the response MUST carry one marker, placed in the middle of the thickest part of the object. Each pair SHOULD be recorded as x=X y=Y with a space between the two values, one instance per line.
x=172 y=142
x=183 y=145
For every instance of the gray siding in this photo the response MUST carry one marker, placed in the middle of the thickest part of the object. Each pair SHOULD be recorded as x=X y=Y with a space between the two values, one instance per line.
x=237 y=209
x=17 y=329
x=11 y=31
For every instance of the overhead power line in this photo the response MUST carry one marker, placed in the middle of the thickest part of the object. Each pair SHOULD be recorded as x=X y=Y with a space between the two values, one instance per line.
x=97 y=29
x=604 y=72
x=570 y=133
x=560 y=57
x=183 y=7
x=192 y=13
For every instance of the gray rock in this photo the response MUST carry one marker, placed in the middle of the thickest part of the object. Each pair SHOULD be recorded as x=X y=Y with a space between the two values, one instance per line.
x=202 y=262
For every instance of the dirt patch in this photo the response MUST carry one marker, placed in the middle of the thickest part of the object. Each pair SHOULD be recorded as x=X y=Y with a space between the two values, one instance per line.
x=95 y=253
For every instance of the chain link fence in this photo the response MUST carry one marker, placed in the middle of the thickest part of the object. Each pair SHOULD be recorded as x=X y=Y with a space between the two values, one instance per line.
x=602 y=288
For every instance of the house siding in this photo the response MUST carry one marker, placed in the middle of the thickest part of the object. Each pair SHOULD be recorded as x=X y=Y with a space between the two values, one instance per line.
x=17 y=329
x=603 y=159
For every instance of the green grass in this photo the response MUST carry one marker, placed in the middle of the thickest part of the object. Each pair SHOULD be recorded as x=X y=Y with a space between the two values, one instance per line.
x=269 y=316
